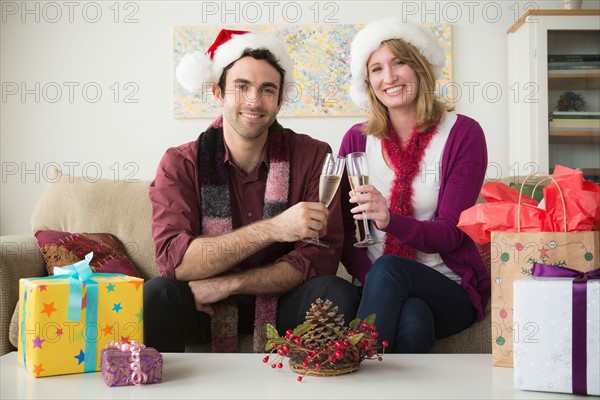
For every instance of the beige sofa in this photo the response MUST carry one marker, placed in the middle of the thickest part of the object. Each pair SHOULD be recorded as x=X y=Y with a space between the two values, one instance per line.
x=77 y=204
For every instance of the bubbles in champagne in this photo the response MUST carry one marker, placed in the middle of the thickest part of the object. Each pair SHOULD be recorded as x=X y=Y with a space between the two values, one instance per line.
x=328 y=185
x=359 y=180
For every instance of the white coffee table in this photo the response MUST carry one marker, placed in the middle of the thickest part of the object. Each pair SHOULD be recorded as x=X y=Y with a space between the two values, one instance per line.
x=228 y=376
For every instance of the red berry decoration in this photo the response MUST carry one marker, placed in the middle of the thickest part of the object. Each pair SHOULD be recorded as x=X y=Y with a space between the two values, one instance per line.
x=323 y=345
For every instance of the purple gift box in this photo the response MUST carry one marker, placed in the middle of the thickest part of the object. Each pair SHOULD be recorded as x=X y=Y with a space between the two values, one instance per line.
x=116 y=366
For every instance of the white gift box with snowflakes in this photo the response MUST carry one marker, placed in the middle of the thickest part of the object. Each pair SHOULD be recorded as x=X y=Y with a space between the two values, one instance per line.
x=543 y=336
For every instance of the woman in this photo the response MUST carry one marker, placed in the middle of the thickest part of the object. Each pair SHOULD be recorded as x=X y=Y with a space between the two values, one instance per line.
x=426 y=280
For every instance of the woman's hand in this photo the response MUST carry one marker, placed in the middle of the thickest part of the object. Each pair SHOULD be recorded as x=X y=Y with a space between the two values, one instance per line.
x=371 y=202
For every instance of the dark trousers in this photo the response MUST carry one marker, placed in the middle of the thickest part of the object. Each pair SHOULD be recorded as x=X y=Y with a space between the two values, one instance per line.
x=171 y=320
x=414 y=304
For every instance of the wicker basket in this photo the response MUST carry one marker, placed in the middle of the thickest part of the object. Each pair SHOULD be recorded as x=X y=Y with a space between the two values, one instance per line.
x=330 y=370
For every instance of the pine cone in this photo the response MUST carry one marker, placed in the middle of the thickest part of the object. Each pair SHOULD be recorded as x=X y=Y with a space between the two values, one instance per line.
x=325 y=321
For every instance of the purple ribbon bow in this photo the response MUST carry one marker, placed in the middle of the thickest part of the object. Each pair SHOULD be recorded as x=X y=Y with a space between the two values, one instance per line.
x=579 y=308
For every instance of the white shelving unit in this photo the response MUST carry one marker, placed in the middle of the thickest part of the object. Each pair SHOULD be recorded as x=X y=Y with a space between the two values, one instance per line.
x=535 y=90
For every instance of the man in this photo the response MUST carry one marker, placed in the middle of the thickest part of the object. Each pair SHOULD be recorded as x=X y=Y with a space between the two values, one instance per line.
x=230 y=211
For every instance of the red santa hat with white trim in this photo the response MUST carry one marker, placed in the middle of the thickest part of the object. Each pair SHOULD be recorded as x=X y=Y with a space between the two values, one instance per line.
x=369 y=39
x=196 y=70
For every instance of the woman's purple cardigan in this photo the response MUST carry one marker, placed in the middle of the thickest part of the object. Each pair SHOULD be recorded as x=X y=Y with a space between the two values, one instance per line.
x=464 y=164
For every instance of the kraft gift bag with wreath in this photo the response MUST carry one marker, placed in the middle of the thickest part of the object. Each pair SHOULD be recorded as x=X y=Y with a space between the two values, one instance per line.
x=513 y=255
x=568 y=237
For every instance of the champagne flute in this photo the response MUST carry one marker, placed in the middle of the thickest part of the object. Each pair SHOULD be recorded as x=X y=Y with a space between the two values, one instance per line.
x=358 y=174
x=331 y=175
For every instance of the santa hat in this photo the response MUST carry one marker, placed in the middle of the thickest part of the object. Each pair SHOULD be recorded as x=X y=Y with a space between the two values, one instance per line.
x=369 y=39
x=196 y=69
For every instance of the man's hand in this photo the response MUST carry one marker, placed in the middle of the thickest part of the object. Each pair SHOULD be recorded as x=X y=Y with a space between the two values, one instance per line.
x=301 y=221
x=274 y=279
x=209 y=291
x=203 y=258
x=372 y=202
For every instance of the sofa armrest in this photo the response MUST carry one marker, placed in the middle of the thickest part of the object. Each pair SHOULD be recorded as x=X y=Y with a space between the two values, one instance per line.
x=20 y=257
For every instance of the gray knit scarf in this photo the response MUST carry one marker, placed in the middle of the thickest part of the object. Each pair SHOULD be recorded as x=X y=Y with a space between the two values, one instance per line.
x=216 y=220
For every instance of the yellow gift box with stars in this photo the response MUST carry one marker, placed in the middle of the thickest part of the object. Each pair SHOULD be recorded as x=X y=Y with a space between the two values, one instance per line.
x=65 y=320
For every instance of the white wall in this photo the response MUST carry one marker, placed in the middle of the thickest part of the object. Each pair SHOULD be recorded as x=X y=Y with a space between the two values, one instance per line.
x=56 y=45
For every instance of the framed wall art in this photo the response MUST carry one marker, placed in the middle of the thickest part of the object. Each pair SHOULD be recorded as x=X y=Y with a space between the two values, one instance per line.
x=321 y=55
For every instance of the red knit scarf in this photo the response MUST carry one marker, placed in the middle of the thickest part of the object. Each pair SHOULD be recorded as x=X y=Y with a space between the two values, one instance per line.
x=406 y=161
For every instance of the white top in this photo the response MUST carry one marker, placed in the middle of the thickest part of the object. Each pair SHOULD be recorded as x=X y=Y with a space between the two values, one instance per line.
x=426 y=187
x=244 y=376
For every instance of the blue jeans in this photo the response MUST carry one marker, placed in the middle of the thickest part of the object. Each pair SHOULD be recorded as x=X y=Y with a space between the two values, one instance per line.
x=414 y=304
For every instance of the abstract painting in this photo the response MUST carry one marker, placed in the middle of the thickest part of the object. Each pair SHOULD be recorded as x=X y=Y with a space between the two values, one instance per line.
x=321 y=54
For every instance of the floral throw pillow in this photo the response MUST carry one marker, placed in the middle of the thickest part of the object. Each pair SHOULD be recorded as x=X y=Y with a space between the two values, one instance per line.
x=65 y=248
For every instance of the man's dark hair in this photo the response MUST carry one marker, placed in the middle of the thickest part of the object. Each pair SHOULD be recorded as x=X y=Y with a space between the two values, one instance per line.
x=257 y=54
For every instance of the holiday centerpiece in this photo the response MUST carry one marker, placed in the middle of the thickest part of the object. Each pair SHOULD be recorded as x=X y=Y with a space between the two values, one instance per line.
x=322 y=345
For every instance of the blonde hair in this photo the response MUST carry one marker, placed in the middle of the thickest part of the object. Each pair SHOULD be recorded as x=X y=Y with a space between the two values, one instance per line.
x=429 y=108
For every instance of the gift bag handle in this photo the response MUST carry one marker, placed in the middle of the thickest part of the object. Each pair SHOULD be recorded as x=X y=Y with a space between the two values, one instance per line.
x=548 y=177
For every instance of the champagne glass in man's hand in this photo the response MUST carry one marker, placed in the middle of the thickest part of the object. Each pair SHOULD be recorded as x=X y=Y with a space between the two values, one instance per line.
x=358 y=174
x=331 y=175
